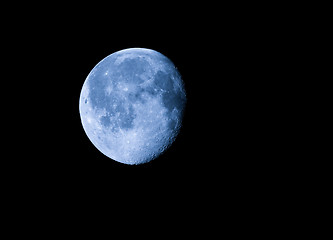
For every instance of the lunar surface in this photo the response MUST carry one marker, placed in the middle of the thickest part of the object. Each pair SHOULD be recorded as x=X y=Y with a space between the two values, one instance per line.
x=131 y=105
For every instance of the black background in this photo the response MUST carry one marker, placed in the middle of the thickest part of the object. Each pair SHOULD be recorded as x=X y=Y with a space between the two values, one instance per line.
x=224 y=152
x=214 y=63
x=221 y=56
x=79 y=48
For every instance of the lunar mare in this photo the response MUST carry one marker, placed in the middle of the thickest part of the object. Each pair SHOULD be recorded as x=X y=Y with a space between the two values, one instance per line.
x=131 y=105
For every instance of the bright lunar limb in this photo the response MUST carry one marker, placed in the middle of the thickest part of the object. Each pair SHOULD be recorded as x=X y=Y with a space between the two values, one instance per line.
x=131 y=105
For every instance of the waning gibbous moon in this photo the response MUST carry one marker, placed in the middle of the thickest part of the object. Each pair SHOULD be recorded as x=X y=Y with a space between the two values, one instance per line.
x=132 y=104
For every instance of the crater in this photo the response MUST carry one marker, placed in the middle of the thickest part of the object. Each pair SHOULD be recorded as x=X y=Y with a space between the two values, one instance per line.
x=119 y=117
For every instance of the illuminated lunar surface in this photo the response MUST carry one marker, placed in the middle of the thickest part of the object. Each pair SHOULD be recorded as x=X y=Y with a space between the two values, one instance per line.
x=132 y=104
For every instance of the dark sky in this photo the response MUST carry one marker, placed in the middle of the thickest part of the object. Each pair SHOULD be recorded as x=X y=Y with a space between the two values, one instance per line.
x=222 y=55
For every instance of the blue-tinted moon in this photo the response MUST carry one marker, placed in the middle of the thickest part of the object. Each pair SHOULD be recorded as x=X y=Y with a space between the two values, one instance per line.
x=131 y=105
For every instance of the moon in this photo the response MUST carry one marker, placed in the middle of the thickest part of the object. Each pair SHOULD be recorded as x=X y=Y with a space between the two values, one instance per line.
x=131 y=105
